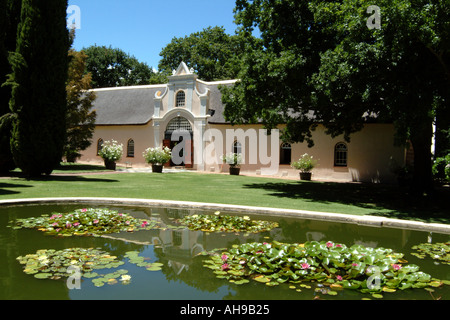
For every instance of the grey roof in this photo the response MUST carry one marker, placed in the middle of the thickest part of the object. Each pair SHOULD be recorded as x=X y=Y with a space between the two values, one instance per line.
x=125 y=106
x=135 y=105
x=215 y=100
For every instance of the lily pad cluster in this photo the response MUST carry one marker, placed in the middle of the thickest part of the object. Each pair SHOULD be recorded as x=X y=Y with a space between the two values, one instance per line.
x=56 y=264
x=436 y=251
x=368 y=270
x=134 y=258
x=226 y=223
x=85 y=222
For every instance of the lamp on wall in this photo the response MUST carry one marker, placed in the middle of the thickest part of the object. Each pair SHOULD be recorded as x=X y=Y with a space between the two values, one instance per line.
x=211 y=112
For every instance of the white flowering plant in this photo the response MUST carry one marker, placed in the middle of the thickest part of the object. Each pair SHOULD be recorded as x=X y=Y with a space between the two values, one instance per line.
x=233 y=159
x=305 y=164
x=111 y=151
x=157 y=155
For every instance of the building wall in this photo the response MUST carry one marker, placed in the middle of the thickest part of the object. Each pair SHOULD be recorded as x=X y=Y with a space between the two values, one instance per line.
x=370 y=151
x=141 y=135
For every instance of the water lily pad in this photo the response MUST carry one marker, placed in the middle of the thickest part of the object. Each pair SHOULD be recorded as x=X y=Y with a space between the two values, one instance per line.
x=84 y=222
x=332 y=266
x=226 y=223
x=43 y=275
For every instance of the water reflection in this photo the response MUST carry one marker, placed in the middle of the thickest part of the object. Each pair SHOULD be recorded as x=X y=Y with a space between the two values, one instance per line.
x=183 y=275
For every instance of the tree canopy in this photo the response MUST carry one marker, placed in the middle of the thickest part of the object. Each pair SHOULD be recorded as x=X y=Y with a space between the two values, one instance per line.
x=113 y=67
x=321 y=62
x=80 y=116
x=212 y=53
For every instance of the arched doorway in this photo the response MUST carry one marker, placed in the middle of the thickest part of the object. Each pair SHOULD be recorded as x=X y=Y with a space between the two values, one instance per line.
x=179 y=130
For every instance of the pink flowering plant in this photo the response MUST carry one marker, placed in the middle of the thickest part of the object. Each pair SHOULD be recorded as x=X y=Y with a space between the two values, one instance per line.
x=84 y=222
x=334 y=265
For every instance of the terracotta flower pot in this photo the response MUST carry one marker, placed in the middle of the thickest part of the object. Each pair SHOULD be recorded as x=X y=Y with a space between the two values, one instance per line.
x=305 y=176
x=235 y=171
x=110 y=165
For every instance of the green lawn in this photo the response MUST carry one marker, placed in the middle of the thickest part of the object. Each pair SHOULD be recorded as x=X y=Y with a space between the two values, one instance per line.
x=348 y=198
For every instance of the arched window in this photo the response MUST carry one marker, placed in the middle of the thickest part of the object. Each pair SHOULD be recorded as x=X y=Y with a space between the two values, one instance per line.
x=286 y=153
x=130 y=148
x=181 y=99
x=99 y=146
x=178 y=124
x=237 y=147
x=341 y=155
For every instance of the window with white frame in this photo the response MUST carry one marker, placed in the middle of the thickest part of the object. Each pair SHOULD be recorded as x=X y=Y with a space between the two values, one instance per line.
x=237 y=147
x=130 y=148
x=341 y=155
x=99 y=146
x=181 y=99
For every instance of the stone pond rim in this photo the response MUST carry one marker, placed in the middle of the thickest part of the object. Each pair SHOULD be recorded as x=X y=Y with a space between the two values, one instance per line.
x=370 y=221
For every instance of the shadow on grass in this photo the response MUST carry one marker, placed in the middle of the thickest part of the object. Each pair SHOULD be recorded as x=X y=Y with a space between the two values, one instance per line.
x=395 y=202
x=56 y=177
x=5 y=188
x=79 y=168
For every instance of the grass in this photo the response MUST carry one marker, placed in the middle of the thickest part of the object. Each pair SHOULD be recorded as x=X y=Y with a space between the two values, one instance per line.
x=348 y=198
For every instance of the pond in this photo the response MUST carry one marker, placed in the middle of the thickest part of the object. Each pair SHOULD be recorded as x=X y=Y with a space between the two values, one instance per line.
x=168 y=262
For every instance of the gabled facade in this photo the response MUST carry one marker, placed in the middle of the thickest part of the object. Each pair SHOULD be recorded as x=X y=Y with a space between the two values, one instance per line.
x=140 y=117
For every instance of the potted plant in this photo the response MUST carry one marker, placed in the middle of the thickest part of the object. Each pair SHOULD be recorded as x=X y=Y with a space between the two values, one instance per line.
x=305 y=164
x=234 y=160
x=111 y=152
x=157 y=157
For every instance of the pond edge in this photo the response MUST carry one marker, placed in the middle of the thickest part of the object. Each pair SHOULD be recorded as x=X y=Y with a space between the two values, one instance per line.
x=371 y=221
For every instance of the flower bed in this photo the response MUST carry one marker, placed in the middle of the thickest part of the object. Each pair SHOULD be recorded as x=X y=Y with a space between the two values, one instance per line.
x=84 y=222
x=335 y=266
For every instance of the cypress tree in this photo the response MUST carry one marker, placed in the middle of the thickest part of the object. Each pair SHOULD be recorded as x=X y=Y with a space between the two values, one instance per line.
x=9 y=19
x=38 y=99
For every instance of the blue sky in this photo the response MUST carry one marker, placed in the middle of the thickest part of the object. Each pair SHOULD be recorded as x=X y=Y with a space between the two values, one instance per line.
x=143 y=27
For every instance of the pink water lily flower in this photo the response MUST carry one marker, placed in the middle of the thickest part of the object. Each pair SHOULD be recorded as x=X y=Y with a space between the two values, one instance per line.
x=224 y=257
x=83 y=210
x=339 y=278
x=396 y=267
x=305 y=266
x=225 y=266
x=76 y=224
x=95 y=221
x=329 y=244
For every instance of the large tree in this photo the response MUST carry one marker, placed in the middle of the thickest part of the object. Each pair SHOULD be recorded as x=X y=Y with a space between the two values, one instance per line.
x=212 y=53
x=39 y=73
x=113 y=67
x=319 y=62
x=9 y=19
x=80 y=116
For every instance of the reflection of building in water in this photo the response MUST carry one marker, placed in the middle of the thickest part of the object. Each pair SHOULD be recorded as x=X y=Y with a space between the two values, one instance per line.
x=177 y=247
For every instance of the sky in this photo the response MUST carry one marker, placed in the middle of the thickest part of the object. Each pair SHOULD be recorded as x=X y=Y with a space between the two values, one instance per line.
x=142 y=28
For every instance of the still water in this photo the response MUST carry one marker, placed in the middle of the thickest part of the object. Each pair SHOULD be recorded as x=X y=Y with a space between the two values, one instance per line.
x=183 y=276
